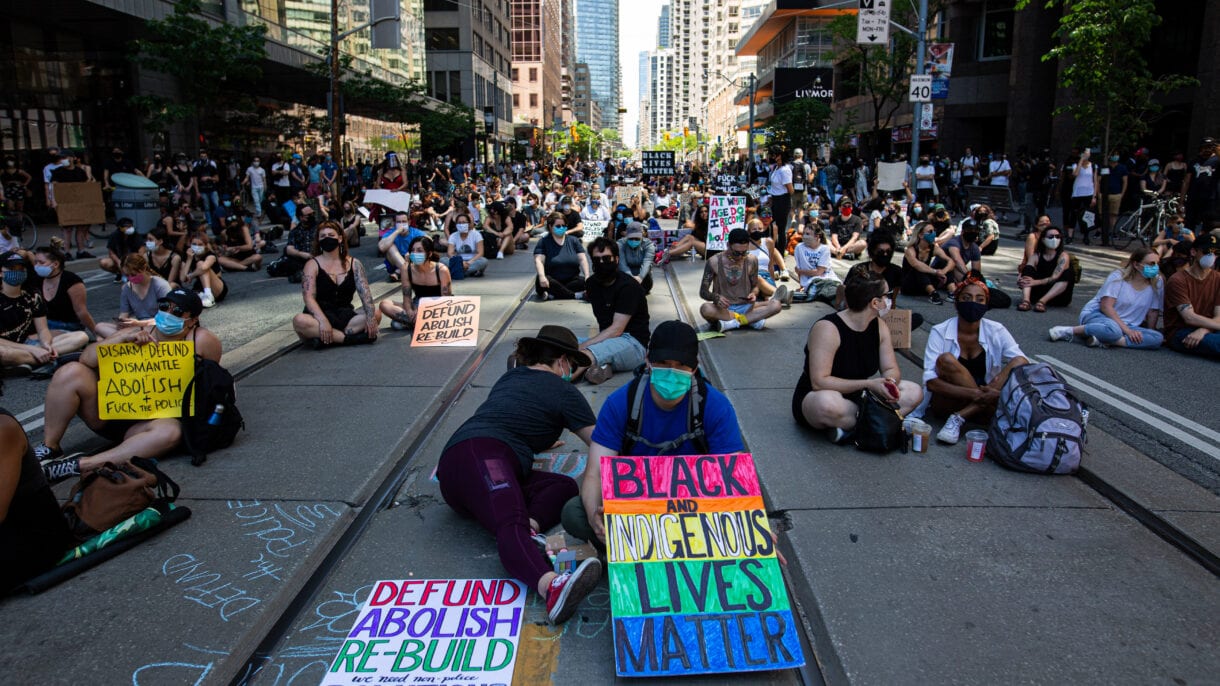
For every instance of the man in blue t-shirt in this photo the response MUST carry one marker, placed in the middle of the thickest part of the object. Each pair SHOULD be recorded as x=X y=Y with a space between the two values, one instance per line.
x=665 y=414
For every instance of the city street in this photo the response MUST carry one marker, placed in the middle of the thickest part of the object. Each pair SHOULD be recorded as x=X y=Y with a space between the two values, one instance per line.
x=906 y=568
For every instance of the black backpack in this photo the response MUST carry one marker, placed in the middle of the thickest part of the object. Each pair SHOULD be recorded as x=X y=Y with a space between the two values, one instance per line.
x=694 y=422
x=216 y=419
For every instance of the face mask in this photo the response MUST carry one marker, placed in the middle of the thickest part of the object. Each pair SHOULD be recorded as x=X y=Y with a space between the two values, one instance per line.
x=845 y=212
x=565 y=207
x=567 y=376
x=930 y=237
x=882 y=258
x=197 y=249
x=1113 y=158
x=889 y=304
x=971 y=311
x=168 y=324
x=463 y=227
x=917 y=210
x=633 y=242
x=970 y=237
x=561 y=229
x=758 y=235
x=136 y=278
x=940 y=226
x=417 y=258
x=43 y=270
x=150 y=246
x=130 y=231
x=1151 y=270
x=670 y=384
x=14 y=278
x=328 y=244
x=1207 y=262
x=1154 y=168
x=1051 y=243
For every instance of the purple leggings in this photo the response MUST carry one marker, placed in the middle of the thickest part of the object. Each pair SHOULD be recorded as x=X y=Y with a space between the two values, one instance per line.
x=482 y=478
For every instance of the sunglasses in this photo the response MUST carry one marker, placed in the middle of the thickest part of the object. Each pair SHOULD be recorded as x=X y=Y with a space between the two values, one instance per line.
x=738 y=253
x=603 y=259
x=173 y=309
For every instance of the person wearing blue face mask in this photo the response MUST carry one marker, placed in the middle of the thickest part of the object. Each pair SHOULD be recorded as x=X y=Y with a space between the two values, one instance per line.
x=25 y=339
x=967 y=361
x=425 y=277
x=636 y=255
x=561 y=263
x=1125 y=310
x=73 y=393
x=919 y=276
x=668 y=409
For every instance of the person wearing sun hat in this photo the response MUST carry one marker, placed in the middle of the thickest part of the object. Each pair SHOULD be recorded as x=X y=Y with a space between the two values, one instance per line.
x=486 y=469
x=73 y=393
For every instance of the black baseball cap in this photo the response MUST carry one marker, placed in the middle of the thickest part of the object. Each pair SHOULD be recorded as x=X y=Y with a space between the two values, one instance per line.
x=674 y=340
x=12 y=258
x=1205 y=243
x=188 y=300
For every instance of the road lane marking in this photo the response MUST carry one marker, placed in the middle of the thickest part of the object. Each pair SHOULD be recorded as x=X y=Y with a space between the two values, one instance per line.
x=1178 y=419
x=34 y=425
x=29 y=413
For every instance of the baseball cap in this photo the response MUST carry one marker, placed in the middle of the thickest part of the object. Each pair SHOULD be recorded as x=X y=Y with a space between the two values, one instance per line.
x=1206 y=243
x=739 y=236
x=187 y=300
x=674 y=340
x=635 y=229
x=12 y=258
x=125 y=221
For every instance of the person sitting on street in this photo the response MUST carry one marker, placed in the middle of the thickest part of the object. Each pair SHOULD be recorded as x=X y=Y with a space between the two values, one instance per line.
x=637 y=253
x=846 y=232
x=138 y=299
x=676 y=412
x=122 y=242
x=989 y=229
x=1125 y=311
x=1048 y=280
x=962 y=252
x=26 y=341
x=63 y=291
x=162 y=260
x=519 y=222
x=200 y=271
x=329 y=281
x=571 y=216
x=1033 y=240
x=1192 y=302
x=696 y=238
x=621 y=310
x=919 y=277
x=33 y=533
x=426 y=277
x=73 y=393
x=1175 y=232
x=395 y=244
x=238 y=252
x=466 y=246
x=561 y=263
x=730 y=288
x=813 y=267
x=499 y=229
x=881 y=262
x=967 y=361
x=771 y=265
x=842 y=353
x=486 y=469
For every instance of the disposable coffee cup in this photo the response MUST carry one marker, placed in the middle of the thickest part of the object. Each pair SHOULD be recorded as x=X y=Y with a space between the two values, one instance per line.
x=921 y=433
x=976 y=445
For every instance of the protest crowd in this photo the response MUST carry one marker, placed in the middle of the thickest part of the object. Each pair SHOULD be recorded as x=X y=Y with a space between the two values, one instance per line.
x=774 y=233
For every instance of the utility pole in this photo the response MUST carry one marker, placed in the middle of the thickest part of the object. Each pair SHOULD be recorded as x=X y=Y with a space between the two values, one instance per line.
x=920 y=62
x=335 y=142
x=750 y=127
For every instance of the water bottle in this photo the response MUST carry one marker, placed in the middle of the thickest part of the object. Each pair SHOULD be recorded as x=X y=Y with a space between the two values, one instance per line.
x=214 y=420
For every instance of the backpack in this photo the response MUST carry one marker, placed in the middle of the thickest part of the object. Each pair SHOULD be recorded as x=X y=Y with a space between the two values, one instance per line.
x=1039 y=423
x=107 y=495
x=215 y=420
x=694 y=422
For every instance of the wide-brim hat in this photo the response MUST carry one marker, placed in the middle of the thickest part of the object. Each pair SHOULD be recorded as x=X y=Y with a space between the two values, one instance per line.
x=562 y=338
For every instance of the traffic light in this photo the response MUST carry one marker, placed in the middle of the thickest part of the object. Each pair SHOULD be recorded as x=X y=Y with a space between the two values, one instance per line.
x=685 y=131
x=666 y=136
x=575 y=136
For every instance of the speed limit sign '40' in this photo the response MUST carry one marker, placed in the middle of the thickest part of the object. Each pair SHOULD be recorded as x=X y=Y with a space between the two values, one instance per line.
x=921 y=88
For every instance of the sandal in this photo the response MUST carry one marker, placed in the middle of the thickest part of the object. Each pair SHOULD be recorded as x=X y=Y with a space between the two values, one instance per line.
x=1024 y=306
x=1039 y=306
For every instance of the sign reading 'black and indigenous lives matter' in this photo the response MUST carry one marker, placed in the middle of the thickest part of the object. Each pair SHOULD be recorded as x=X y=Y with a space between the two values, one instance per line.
x=657 y=162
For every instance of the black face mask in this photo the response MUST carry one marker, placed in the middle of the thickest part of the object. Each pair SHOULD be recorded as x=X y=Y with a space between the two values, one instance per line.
x=882 y=258
x=328 y=244
x=940 y=226
x=605 y=270
x=970 y=237
x=758 y=235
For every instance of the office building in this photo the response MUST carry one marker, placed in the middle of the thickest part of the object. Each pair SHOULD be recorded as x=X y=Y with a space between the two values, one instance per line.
x=537 y=61
x=584 y=106
x=728 y=74
x=597 y=46
x=663 y=28
x=662 y=88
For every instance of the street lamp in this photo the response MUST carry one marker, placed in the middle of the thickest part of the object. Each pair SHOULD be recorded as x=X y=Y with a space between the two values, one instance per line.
x=750 y=125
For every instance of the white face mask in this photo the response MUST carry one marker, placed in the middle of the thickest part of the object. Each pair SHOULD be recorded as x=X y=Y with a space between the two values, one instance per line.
x=463 y=227
x=150 y=245
x=888 y=305
x=1207 y=261
x=1051 y=243
x=197 y=249
x=130 y=231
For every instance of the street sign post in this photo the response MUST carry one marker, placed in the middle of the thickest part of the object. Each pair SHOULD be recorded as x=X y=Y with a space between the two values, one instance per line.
x=921 y=88
x=873 y=22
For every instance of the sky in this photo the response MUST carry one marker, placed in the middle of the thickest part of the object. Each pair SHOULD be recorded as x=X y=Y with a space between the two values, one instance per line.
x=637 y=31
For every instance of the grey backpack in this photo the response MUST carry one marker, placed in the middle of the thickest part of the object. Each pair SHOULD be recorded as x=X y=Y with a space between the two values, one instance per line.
x=1039 y=423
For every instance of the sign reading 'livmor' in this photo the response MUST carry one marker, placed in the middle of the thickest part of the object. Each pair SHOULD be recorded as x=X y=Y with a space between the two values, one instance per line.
x=695 y=585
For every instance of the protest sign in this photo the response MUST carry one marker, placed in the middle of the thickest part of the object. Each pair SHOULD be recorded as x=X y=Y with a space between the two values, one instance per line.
x=143 y=381
x=725 y=213
x=434 y=631
x=891 y=175
x=446 y=321
x=77 y=204
x=398 y=201
x=695 y=585
x=594 y=228
x=728 y=183
x=657 y=162
x=899 y=322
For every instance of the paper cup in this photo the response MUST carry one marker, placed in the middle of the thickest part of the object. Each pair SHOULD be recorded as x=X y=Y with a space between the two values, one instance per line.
x=976 y=445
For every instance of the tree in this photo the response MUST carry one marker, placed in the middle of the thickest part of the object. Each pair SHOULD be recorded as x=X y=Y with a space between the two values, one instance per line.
x=799 y=123
x=216 y=66
x=1101 y=47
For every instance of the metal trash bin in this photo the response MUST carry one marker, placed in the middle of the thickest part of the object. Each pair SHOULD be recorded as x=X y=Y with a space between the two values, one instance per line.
x=136 y=198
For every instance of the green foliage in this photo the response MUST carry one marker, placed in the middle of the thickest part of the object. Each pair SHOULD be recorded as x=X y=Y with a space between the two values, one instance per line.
x=676 y=142
x=1101 y=46
x=216 y=67
x=798 y=123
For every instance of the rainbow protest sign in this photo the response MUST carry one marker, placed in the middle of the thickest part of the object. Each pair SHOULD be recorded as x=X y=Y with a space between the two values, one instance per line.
x=695 y=585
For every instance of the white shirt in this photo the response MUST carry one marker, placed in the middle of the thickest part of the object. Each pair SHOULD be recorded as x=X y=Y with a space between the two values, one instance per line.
x=46 y=171
x=808 y=258
x=999 y=166
x=600 y=214
x=969 y=164
x=1131 y=305
x=999 y=346
x=257 y=176
x=1082 y=185
x=779 y=179
x=922 y=170
x=282 y=181
x=466 y=247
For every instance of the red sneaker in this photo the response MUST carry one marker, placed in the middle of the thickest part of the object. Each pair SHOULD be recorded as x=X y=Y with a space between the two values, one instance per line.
x=567 y=590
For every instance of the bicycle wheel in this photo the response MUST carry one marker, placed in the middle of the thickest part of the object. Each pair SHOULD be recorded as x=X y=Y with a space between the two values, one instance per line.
x=1127 y=226
x=29 y=230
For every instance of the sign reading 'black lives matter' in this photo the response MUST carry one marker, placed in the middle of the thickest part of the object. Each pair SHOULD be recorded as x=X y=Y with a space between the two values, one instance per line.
x=657 y=162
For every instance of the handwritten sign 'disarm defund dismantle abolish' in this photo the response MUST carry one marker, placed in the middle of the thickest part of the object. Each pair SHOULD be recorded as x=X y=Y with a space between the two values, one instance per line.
x=446 y=321
x=143 y=381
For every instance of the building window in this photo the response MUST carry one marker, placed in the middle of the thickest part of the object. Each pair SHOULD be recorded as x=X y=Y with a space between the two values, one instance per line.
x=533 y=99
x=442 y=39
x=995 y=30
x=440 y=5
x=533 y=74
x=515 y=74
x=455 y=86
x=516 y=100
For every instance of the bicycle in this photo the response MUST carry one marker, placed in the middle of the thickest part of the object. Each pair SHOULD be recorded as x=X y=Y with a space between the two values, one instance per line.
x=20 y=226
x=1159 y=210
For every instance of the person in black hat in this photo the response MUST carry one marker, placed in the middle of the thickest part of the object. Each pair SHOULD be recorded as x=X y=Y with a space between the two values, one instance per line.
x=677 y=412
x=25 y=339
x=730 y=287
x=122 y=242
x=73 y=393
x=486 y=469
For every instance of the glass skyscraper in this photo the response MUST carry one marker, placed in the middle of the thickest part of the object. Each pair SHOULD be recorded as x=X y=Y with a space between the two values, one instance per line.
x=597 y=46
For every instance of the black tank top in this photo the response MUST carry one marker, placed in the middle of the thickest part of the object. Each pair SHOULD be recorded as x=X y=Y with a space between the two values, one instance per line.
x=162 y=269
x=419 y=290
x=333 y=296
x=858 y=357
x=59 y=308
x=34 y=534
